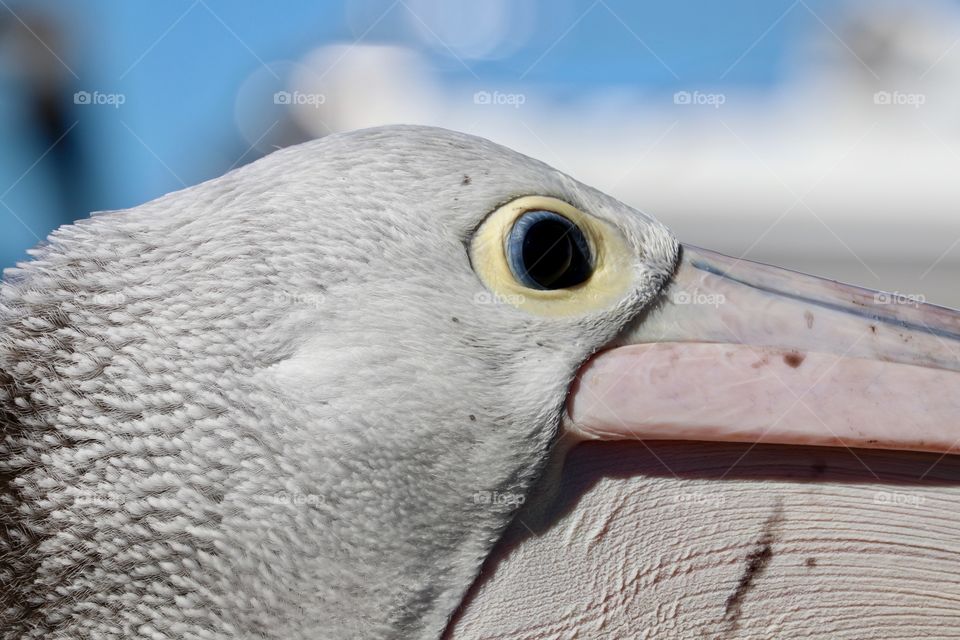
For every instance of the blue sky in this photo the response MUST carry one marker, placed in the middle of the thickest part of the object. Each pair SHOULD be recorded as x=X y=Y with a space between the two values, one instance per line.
x=179 y=64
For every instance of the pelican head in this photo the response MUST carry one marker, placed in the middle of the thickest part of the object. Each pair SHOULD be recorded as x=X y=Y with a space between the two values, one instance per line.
x=305 y=399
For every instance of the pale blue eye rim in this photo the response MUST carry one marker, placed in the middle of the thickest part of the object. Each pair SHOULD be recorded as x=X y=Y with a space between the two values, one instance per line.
x=548 y=251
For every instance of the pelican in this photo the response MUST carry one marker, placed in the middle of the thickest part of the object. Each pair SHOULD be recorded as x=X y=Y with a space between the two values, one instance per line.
x=306 y=399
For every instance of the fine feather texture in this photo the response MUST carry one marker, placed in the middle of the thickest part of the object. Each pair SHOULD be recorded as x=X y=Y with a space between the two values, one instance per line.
x=265 y=406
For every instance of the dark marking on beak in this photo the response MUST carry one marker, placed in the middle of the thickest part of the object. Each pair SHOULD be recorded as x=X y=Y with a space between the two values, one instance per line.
x=794 y=359
x=756 y=563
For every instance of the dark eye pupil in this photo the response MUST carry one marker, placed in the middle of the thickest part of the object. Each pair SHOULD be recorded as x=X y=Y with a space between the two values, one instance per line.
x=548 y=251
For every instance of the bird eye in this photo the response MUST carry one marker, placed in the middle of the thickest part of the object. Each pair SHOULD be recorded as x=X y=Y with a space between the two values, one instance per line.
x=548 y=251
x=547 y=257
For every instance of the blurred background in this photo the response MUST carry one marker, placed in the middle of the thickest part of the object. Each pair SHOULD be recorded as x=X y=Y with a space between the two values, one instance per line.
x=822 y=136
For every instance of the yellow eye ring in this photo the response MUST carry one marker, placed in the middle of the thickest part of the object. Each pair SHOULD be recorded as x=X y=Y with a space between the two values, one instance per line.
x=611 y=261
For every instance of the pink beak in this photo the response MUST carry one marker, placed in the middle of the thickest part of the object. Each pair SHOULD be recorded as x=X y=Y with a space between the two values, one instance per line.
x=740 y=351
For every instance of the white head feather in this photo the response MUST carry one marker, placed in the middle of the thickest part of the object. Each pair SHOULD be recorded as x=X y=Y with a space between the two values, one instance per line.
x=262 y=406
